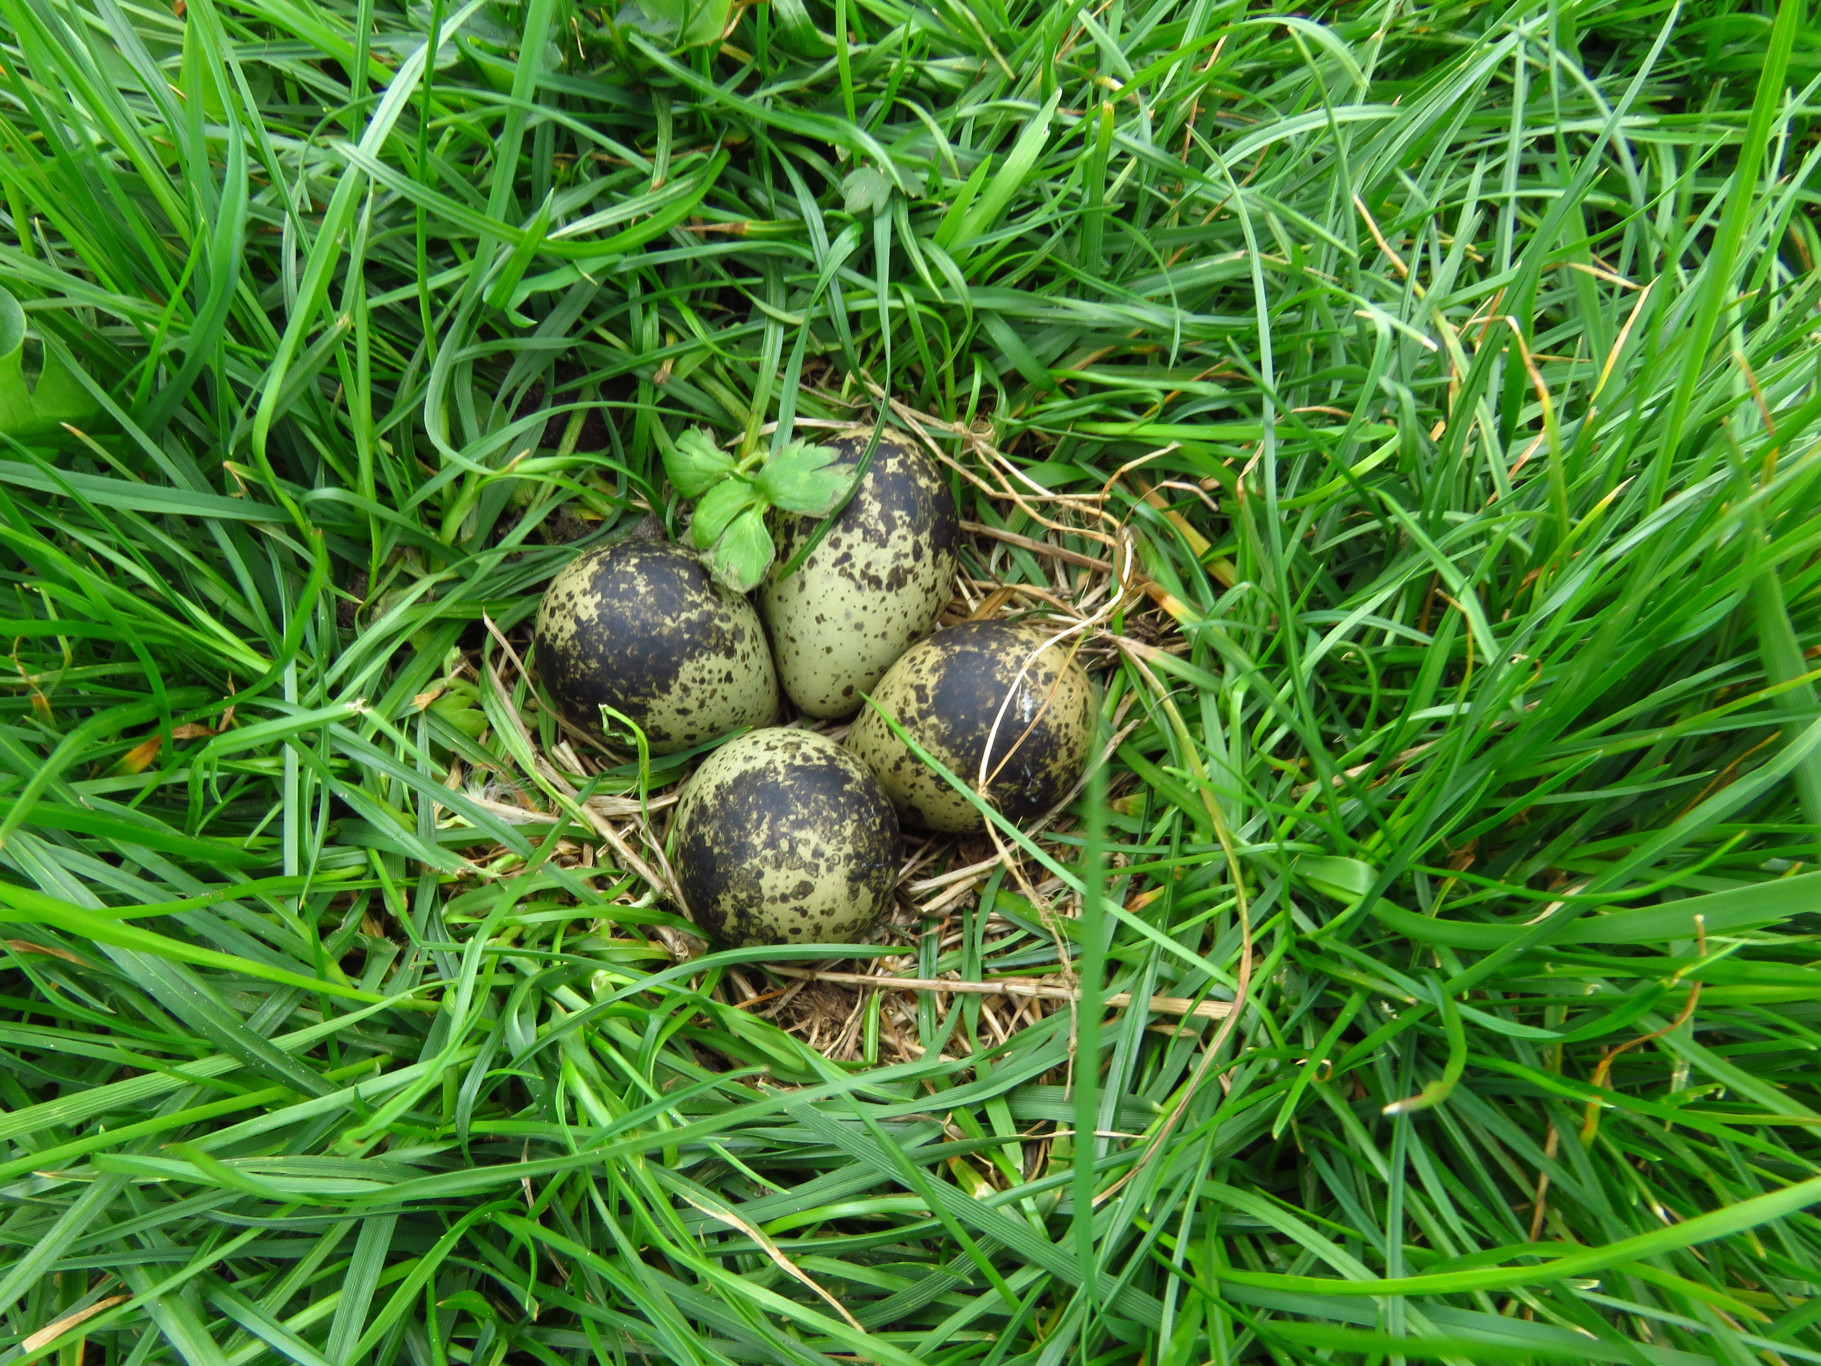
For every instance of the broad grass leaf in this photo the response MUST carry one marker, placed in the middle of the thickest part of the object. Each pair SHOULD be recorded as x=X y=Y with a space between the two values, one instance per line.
x=1007 y=179
x=1728 y=912
x=1344 y=879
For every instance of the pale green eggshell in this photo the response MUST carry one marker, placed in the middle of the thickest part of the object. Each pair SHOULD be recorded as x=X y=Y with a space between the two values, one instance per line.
x=877 y=581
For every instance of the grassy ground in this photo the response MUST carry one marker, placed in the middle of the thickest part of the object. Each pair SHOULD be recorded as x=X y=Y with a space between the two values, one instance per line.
x=1422 y=402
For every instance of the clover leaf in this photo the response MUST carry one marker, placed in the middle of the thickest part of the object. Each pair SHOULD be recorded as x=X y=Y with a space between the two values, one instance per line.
x=866 y=190
x=719 y=506
x=799 y=479
x=743 y=553
x=695 y=464
x=732 y=498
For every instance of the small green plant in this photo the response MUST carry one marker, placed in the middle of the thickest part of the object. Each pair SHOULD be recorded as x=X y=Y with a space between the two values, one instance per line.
x=732 y=497
x=687 y=23
x=34 y=408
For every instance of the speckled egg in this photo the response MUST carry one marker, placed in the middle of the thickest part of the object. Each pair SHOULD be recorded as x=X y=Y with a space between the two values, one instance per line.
x=954 y=691
x=783 y=837
x=641 y=627
x=876 y=582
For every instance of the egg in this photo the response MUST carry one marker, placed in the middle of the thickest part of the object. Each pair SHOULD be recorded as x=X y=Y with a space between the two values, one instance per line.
x=639 y=626
x=876 y=582
x=977 y=681
x=783 y=837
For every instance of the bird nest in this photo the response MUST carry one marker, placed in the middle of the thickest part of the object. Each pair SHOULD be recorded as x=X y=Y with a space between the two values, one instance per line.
x=1074 y=570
